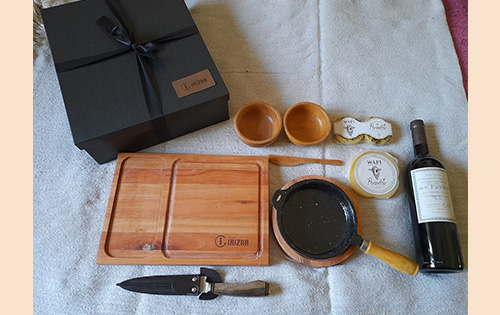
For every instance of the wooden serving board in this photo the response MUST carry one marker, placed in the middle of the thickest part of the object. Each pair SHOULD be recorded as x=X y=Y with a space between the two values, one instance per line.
x=167 y=209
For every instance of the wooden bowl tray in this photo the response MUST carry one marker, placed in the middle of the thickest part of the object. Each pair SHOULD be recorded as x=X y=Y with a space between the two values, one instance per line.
x=167 y=209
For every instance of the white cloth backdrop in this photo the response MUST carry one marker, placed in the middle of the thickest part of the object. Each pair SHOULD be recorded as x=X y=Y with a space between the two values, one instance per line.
x=393 y=59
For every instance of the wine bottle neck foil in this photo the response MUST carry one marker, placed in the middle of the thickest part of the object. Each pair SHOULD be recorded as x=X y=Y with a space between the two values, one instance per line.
x=419 y=138
x=417 y=128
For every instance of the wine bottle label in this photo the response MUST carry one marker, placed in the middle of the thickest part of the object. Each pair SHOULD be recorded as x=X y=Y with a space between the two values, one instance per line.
x=432 y=195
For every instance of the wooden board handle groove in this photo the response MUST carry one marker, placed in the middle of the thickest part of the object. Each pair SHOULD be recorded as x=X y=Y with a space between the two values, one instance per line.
x=395 y=260
x=254 y=288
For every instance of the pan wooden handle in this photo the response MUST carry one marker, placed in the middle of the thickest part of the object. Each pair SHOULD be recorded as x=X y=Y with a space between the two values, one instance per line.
x=395 y=260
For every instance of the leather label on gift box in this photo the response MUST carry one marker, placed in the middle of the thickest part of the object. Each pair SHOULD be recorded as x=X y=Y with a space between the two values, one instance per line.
x=194 y=83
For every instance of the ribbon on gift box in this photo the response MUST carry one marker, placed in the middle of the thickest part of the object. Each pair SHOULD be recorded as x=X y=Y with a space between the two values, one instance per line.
x=118 y=30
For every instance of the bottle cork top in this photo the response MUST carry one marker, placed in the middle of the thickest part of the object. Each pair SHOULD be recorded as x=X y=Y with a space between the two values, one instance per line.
x=417 y=128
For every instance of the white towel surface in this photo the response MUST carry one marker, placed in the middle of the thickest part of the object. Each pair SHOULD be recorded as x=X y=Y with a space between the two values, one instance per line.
x=393 y=59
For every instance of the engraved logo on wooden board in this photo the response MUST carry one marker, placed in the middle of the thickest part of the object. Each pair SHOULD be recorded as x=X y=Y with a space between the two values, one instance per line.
x=194 y=83
x=221 y=241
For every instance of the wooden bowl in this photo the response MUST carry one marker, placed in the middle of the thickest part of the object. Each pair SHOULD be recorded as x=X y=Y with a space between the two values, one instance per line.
x=258 y=124
x=307 y=124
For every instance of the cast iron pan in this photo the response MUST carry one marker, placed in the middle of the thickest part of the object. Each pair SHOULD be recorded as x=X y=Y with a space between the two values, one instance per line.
x=316 y=222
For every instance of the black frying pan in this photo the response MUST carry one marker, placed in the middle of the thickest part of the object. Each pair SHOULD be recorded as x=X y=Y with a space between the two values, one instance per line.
x=316 y=222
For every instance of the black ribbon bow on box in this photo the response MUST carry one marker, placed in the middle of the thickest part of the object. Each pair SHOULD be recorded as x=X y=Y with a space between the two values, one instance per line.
x=118 y=29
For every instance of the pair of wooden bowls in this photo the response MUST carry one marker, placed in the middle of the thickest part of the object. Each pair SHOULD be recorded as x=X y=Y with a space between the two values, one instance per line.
x=259 y=124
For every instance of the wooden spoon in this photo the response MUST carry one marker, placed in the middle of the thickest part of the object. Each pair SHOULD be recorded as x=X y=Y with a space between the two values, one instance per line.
x=292 y=161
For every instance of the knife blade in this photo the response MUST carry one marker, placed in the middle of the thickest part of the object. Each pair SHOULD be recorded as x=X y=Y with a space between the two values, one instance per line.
x=207 y=285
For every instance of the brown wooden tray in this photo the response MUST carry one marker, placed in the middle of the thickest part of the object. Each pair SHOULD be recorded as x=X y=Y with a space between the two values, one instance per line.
x=167 y=209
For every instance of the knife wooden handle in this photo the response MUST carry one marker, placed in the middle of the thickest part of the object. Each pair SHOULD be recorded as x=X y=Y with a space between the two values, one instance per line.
x=395 y=260
x=254 y=288
x=292 y=161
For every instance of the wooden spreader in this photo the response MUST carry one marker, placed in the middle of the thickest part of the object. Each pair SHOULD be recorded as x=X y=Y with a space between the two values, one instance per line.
x=167 y=209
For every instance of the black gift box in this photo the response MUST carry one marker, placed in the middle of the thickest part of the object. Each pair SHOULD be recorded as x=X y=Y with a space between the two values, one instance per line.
x=132 y=73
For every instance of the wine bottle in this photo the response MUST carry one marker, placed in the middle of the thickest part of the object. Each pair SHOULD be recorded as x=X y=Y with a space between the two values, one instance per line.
x=433 y=220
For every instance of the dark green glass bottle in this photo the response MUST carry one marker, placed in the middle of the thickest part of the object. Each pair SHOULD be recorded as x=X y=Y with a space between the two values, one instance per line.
x=435 y=231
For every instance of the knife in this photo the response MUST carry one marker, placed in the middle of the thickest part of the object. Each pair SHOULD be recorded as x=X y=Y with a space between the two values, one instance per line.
x=207 y=285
